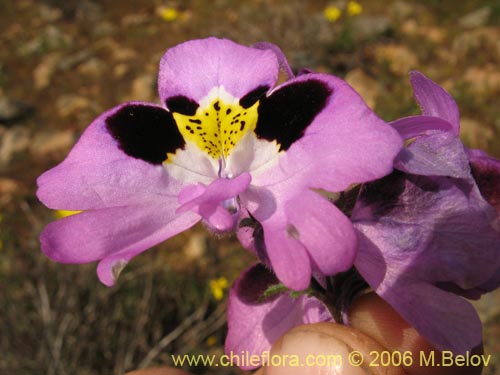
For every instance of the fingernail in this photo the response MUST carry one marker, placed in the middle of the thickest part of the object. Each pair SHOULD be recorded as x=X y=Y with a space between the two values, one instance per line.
x=311 y=353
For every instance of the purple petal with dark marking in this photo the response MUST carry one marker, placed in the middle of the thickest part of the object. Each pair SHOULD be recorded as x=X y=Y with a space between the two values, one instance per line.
x=97 y=173
x=417 y=233
x=486 y=172
x=254 y=324
x=320 y=144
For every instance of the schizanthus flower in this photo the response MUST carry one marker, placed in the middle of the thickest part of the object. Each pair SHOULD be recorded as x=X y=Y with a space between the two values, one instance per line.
x=224 y=144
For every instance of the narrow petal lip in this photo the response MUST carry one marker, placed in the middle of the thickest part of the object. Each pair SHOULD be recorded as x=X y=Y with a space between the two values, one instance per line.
x=283 y=62
x=219 y=190
x=193 y=68
x=415 y=126
x=208 y=201
x=434 y=100
x=97 y=174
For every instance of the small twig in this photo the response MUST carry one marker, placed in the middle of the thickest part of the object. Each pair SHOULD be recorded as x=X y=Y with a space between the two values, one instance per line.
x=173 y=335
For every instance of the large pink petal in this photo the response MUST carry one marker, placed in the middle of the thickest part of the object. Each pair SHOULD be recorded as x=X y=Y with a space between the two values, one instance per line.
x=97 y=174
x=345 y=143
x=117 y=233
x=192 y=69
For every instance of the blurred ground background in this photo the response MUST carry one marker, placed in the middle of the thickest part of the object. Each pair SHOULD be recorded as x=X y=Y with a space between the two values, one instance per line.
x=62 y=62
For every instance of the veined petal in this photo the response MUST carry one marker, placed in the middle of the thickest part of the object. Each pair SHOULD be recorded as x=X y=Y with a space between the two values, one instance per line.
x=444 y=228
x=445 y=319
x=192 y=69
x=330 y=138
x=414 y=126
x=254 y=324
x=438 y=154
x=422 y=238
x=105 y=169
x=434 y=100
x=117 y=233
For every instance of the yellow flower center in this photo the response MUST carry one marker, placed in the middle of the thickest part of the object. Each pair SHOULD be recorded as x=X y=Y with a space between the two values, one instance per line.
x=218 y=127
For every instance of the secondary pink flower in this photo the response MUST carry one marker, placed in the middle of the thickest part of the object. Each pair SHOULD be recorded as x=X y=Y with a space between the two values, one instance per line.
x=429 y=234
x=224 y=144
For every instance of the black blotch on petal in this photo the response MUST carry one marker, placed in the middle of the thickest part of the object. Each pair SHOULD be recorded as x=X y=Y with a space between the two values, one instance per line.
x=182 y=105
x=251 y=98
x=145 y=132
x=286 y=114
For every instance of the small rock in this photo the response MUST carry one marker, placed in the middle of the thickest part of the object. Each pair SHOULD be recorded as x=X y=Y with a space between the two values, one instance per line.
x=75 y=59
x=366 y=86
x=12 y=141
x=103 y=29
x=196 y=246
x=44 y=71
x=8 y=188
x=483 y=81
x=135 y=19
x=123 y=53
x=398 y=57
x=476 y=134
x=70 y=104
x=52 y=143
x=12 y=111
x=51 y=38
x=120 y=70
x=143 y=88
x=475 y=19
x=93 y=67
x=473 y=43
x=366 y=27
x=88 y=11
x=401 y=10
x=49 y=14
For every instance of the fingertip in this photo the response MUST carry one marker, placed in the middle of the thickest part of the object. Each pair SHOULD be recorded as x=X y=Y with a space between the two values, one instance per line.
x=325 y=348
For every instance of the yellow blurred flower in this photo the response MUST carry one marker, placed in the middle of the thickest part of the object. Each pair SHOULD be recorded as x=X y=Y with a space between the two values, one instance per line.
x=332 y=13
x=168 y=14
x=217 y=287
x=65 y=213
x=354 y=8
x=211 y=340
